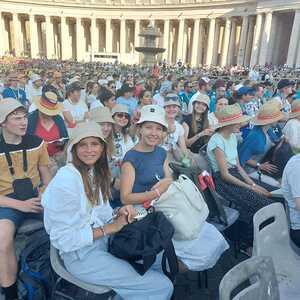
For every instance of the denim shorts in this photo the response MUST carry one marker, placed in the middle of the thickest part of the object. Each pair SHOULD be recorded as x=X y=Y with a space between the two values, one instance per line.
x=16 y=216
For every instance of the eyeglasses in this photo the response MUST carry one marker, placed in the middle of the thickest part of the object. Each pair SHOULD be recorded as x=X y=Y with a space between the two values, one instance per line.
x=112 y=86
x=122 y=115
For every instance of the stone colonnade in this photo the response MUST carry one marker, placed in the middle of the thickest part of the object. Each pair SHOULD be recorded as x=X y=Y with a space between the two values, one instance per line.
x=266 y=37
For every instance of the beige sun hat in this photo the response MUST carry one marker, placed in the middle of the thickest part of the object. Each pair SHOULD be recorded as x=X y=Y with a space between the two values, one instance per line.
x=101 y=115
x=202 y=98
x=171 y=99
x=295 y=109
x=119 y=108
x=84 y=130
x=230 y=115
x=48 y=103
x=7 y=106
x=153 y=113
x=268 y=113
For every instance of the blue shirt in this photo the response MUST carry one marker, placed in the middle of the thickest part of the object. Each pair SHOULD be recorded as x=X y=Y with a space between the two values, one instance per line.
x=17 y=94
x=131 y=103
x=253 y=144
x=149 y=168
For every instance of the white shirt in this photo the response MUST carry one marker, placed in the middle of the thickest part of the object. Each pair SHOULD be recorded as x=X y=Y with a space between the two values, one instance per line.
x=96 y=104
x=77 y=110
x=172 y=138
x=254 y=75
x=68 y=214
x=292 y=131
x=158 y=99
x=31 y=91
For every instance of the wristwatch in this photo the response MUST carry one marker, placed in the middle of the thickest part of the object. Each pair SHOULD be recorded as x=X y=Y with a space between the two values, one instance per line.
x=257 y=165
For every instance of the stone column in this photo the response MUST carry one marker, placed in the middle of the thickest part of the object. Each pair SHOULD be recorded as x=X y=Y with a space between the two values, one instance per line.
x=122 y=36
x=243 y=41
x=166 y=38
x=2 y=29
x=297 y=65
x=64 y=38
x=136 y=33
x=256 y=41
x=80 y=43
x=180 y=39
x=49 y=38
x=225 y=42
x=17 y=35
x=294 y=40
x=249 y=41
x=265 y=40
x=232 y=41
x=94 y=36
x=171 y=48
x=34 y=45
x=195 y=43
x=210 y=42
x=108 y=36
x=216 y=42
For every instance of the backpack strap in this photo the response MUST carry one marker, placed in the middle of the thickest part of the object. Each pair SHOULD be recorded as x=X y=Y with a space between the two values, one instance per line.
x=170 y=256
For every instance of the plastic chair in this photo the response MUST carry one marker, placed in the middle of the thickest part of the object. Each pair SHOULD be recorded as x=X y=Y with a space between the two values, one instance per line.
x=259 y=273
x=59 y=268
x=272 y=238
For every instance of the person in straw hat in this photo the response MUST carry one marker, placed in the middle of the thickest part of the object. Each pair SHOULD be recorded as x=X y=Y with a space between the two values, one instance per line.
x=46 y=121
x=196 y=125
x=231 y=180
x=145 y=176
x=292 y=128
x=79 y=220
x=258 y=142
x=19 y=185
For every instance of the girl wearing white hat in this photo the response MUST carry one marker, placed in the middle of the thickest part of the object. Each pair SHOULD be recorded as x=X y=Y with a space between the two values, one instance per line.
x=77 y=216
x=145 y=176
x=231 y=180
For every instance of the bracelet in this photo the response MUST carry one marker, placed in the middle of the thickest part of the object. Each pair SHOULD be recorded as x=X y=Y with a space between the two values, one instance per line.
x=103 y=231
x=157 y=193
x=116 y=212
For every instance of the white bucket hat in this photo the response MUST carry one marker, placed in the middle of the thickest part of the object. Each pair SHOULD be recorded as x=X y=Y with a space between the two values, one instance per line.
x=7 y=106
x=153 y=113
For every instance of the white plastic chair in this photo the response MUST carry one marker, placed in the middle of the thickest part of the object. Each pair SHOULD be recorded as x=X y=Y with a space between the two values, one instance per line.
x=259 y=272
x=59 y=268
x=272 y=238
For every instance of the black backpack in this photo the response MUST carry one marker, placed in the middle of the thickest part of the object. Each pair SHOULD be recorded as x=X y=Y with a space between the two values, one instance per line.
x=143 y=240
x=36 y=274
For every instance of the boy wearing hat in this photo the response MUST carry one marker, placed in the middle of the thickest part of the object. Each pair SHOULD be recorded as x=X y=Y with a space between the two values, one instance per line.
x=24 y=166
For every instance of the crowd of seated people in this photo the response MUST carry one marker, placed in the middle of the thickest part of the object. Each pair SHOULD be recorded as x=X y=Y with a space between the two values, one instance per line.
x=78 y=141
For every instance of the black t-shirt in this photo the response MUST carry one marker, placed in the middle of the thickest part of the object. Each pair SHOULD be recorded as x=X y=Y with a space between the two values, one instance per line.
x=200 y=142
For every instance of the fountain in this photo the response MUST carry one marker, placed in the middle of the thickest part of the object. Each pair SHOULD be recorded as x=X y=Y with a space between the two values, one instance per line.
x=149 y=49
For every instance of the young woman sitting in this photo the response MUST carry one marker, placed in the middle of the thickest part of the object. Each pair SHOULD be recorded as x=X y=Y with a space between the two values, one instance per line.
x=231 y=180
x=78 y=218
x=196 y=126
x=145 y=176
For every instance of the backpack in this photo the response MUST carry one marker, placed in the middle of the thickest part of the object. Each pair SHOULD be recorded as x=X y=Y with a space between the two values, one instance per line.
x=141 y=241
x=184 y=206
x=36 y=274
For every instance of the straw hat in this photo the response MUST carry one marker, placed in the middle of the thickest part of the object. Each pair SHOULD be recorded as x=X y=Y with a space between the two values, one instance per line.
x=84 y=130
x=230 y=115
x=202 y=98
x=268 y=113
x=7 y=106
x=295 y=109
x=48 y=103
x=153 y=113
x=119 y=108
x=101 y=115
x=171 y=99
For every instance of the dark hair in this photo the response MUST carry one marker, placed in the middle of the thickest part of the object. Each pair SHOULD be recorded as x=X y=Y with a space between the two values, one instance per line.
x=102 y=176
x=143 y=93
x=105 y=94
x=90 y=86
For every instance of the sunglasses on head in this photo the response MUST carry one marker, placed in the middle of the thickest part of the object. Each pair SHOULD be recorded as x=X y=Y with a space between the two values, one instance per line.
x=122 y=115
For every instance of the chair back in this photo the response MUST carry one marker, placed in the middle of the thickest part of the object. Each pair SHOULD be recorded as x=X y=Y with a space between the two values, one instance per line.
x=253 y=278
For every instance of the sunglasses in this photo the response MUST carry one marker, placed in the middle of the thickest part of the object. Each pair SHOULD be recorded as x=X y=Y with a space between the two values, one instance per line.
x=122 y=115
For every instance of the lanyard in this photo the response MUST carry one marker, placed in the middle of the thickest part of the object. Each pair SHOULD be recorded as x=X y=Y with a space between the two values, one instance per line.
x=16 y=95
x=9 y=161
